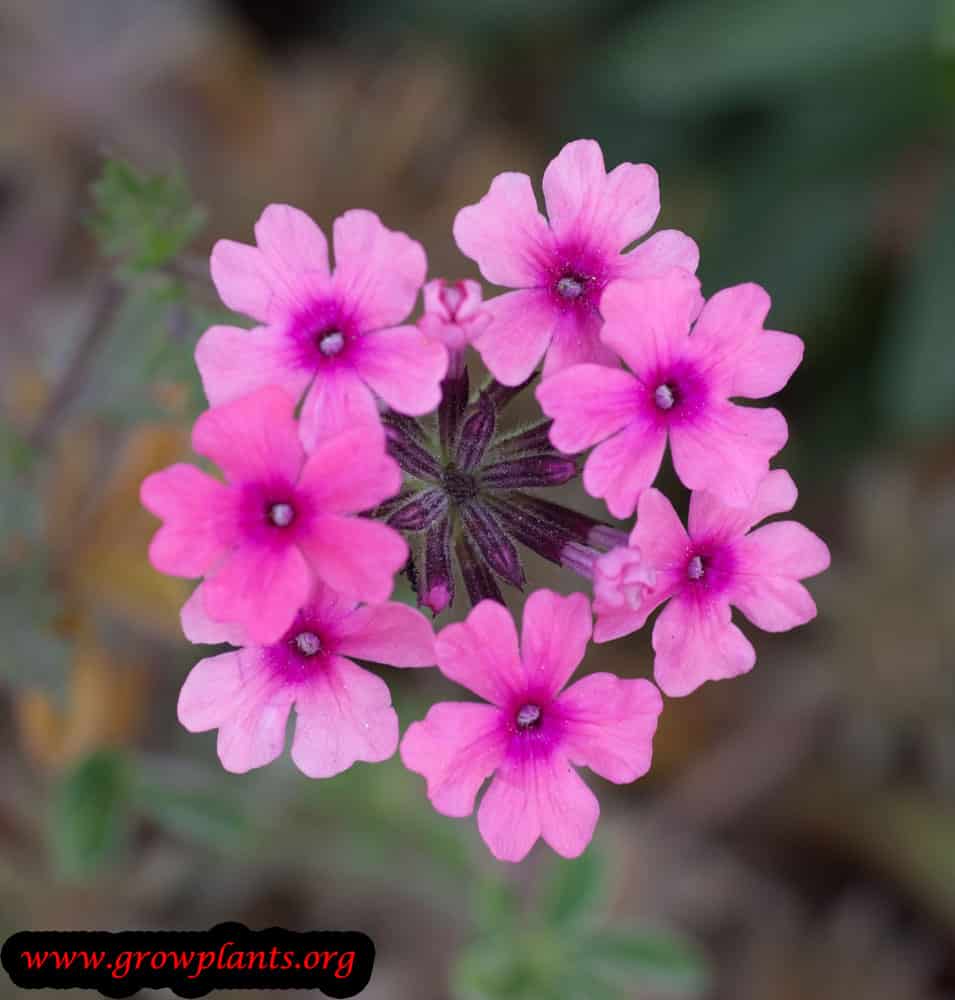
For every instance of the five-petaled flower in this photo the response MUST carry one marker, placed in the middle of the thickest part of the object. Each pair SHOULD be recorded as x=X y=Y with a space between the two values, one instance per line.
x=333 y=337
x=343 y=712
x=533 y=731
x=680 y=389
x=560 y=269
x=281 y=518
x=720 y=562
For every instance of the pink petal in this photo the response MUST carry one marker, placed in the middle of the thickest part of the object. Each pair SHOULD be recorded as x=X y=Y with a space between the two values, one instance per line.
x=390 y=633
x=337 y=400
x=199 y=515
x=355 y=556
x=587 y=403
x=623 y=466
x=576 y=341
x=695 y=641
x=586 y=205
x=766 y=364
x=732 y=317
x=534 y=797
x=252 y=439
x=554 y=638
x=518 y=334
x=727 y=450
x=655 y=256
x=456 y=748
x=344 y=715
x=505 y=233
x=350 y=472
x=481 y=653
x=198 y=627
x=243 y=280
x=261 y=589
x=647 y=322
x=659 y=533
x=378 y=271
x=234 y=363
x=404 y=367
x=294 y=246
x=609 y=725
x=710 y=518
x=626 y=590
x=237 y=694
x=771 y=561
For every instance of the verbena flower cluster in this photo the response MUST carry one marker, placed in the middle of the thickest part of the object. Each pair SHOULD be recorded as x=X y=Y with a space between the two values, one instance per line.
x=352 y=448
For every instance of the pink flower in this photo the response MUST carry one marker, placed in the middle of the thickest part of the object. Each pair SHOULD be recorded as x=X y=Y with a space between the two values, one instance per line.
x=532 y=732
x=280 y=519
x=344 y=713
x=561 y=267
x=332 y=337
x=680 y=389
x=453 y=313
x=718 y=564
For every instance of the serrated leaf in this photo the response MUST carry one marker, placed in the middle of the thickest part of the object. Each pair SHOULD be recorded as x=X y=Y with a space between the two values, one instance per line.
x=89 y=813
x=143 y=220
x=574 y=890
x=650 y=957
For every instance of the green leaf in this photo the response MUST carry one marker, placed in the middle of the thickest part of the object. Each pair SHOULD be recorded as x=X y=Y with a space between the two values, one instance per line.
x=89 y=813
x=650 y=957
x=918 y=364
x=143 y=220
x=497 y=904
x=574 y=891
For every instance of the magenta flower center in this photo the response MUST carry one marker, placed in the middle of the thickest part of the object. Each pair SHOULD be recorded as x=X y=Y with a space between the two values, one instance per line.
x=308 y=643
x=695 y=568
x=571 y=286
x=664 y=397
x=331 y=343
x=528 y=716
x=281 y=514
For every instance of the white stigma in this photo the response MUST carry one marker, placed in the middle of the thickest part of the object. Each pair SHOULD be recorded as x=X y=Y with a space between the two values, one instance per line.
x=527 y=716
x=331 y=343
x=664 y=397
x=570 y=288
x=308 y=643
x=694 y=569
x=281 y=514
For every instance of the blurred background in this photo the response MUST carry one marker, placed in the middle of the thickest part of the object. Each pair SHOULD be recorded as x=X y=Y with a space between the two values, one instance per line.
x=796 y=837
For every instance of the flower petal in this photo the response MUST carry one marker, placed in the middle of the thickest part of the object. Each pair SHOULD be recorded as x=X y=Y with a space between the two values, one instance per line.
x=252 y=439
x=455 y=748
x=390 y=633
x=770 y=562
x=350 y=472
x=237 y=694
x=518 y=334
x=378 y=271
x=587 y=206
x=199 y=515
x=198 y=627
x=481 y=653
x=554 y=637
x=404 y=367
x=355 y=556
x=647 y=322
x=505 y=233
x=710 y=518
x=623 y=466
x=260 y=588
x=337 y=400
x=587 y=403
x=695 y=641
x=609 y=725
x=576 y=341
x=243 y=280
x=294 y=246
x=727 y=450
x=234 y=362
x=656 y=255
x=344 y=715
